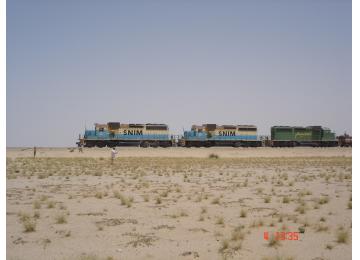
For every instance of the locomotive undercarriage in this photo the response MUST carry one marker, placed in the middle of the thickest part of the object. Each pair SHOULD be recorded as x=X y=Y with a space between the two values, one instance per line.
x=136 y=143
x=240 y=143
x=304 y=143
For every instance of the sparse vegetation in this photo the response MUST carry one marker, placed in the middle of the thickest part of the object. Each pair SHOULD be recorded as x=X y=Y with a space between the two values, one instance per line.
x=215 y=201
x=99 y=195
x=342 y=236
x=228 y=200
x=213 y=156
x=60 y=219
x=220 y=221
x=243 y=213
x=158 y=200
x=51 y=204
x=273 y=242
x=286 y=199
x=29 y=225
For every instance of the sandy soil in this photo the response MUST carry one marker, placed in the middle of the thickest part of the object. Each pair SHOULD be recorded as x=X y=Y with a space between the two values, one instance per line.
x=171 y=206
x=227 y=152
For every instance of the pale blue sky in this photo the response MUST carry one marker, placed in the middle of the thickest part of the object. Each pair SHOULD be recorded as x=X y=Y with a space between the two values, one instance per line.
x=270 y=62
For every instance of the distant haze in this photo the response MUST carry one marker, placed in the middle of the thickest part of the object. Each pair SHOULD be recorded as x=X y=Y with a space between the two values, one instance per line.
x=270 y=62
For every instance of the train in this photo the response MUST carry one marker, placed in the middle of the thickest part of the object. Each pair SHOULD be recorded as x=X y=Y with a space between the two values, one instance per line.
x=155 y=135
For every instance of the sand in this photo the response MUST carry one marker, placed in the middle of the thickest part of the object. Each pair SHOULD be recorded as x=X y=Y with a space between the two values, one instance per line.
x=176 y=152
x=179 y=204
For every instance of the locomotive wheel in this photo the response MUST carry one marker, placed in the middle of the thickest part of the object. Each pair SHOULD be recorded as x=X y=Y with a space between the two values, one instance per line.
x=111 y=145
x=237 y=145
x=145 y=144
x=100 y=145
x=155 y=145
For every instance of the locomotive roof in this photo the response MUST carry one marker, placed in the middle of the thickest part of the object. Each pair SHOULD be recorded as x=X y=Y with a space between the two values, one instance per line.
x=223 y=126
x=307 y=127
x=247 y=126
x=100 y=125
x=286 y=126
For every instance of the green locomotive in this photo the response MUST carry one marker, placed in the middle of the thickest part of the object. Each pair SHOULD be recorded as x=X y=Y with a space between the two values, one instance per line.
x=314 y=136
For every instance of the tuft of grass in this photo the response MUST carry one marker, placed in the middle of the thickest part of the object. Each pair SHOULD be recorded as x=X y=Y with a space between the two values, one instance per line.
x=286 y=200
x=342 y=236
x=220 y=221
x=224 y=245
x=301 y=209
x=164 y=193
x=273 y=242
x=124 y=200
x=99 y=195
x=60 y=219
x=213 y=156
x=203 y=210
x=158 y=200
x=349 y=205
x=267 y=199
x=117 y=194
x=215 y=201
x=323 y=200
x=51 y=205
x=243 y=213
x=316 y=205
x=24 y=217
x=29 y=226
x=329 y=246
x=36 y=214
x=237 y=234
x=183 y=213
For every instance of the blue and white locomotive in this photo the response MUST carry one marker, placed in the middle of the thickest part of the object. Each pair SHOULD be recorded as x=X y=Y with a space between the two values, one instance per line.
x=115 y=134
x=208 y=135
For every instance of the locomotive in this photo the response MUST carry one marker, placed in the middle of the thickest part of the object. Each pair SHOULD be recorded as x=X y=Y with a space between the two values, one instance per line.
x=314 y=136
x=208 y=135
x=115 y=134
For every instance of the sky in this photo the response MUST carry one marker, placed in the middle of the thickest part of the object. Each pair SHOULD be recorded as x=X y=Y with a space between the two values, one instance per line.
x=71 y=64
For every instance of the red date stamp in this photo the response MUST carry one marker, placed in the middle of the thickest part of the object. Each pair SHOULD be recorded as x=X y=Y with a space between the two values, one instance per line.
x=282 y=235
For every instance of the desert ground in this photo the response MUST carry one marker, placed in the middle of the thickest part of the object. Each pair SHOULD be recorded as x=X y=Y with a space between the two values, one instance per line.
x=179 y=203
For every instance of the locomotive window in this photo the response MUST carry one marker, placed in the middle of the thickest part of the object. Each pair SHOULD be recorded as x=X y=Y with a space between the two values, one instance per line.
x=101 y=129
x=114 y=125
